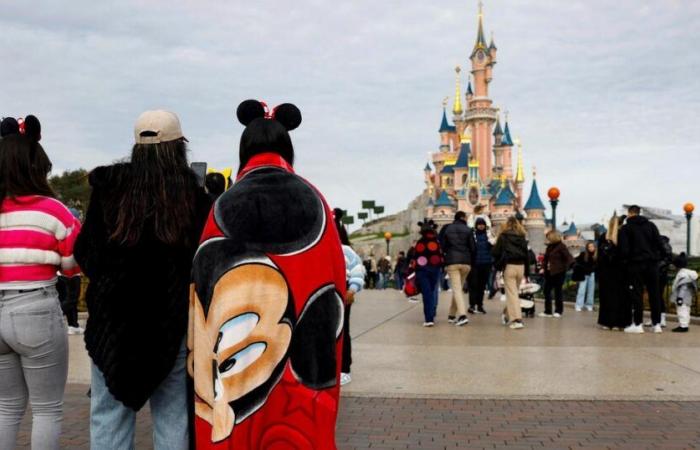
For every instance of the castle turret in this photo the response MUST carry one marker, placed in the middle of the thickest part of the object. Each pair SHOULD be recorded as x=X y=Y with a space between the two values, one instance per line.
x=480 y=115
x=507 y=152
x=445 y=129
x=492 y=50
x=519 y=176
x=458 y=111
x=535 y=221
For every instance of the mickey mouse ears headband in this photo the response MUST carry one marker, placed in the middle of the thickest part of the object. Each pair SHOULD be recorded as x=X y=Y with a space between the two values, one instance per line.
x=286 y=114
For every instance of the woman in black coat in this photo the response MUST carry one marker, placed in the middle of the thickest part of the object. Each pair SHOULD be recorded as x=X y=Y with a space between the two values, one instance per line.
x=614 y=311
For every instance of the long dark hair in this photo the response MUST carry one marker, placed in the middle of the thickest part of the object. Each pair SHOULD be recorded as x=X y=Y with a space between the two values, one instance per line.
x=263 y=135
x=24 y=167
x=159 y=192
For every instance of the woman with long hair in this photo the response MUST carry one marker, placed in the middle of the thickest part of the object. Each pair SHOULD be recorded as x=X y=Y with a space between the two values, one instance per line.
x=140 y=234
x=614 y=309
x=585 y=265
x=267 y=307
x=557 y=261
x=37 y=233
x=511 y=256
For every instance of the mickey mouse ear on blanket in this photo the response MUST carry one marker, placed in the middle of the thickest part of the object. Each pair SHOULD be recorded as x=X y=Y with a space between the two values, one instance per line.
x=288 y=115
x=250 y=110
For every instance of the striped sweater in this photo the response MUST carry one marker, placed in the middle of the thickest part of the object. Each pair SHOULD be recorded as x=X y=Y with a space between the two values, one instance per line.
x=36 y=241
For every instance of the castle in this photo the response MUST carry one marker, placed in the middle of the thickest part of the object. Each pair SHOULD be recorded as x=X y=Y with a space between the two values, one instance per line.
x=474 y=164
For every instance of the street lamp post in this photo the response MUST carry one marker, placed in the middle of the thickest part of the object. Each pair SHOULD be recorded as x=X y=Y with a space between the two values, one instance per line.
x=387 y=238
x=553 y=195
x=688 y=208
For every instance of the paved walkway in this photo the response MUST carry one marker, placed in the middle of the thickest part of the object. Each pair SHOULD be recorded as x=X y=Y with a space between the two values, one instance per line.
x=549 y=385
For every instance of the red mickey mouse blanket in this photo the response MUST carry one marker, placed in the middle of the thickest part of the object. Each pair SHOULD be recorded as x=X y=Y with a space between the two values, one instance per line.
x=266 y=315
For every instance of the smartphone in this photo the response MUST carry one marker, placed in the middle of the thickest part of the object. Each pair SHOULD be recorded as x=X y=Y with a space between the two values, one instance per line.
x=200 y=169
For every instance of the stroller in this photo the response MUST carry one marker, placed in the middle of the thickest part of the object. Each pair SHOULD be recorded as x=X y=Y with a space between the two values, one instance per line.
x=527 y=298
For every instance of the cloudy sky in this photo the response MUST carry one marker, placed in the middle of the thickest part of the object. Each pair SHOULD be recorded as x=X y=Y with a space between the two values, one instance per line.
x=605 y=96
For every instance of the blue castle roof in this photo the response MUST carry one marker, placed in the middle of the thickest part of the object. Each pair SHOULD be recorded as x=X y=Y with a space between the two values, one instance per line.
x=448 y=169
x=463 y=158
x=534 y=202
x=505 y=197
x=427 y=167
x=506 y=137
x=444 y=200
x=469 y=88
x=444 y=125
x=572 y=231
x=494 y=187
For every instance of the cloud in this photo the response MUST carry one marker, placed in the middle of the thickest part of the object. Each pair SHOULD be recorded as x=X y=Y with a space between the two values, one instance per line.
x=603 y=95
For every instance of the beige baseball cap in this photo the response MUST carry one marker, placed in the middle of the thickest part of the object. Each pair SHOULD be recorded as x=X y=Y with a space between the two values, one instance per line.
x=153 y=127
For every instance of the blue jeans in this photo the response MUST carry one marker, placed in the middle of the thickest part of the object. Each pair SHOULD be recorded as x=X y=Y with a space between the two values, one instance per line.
x=399 y=281
x=112 y=424
x=586 y=290
x=33 y=365
x=428 y=279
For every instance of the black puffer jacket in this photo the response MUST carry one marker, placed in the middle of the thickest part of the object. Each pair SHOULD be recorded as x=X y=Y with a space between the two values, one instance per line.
x=138 y=295
x=457 y=241
x=511 y=248
x=639 y=241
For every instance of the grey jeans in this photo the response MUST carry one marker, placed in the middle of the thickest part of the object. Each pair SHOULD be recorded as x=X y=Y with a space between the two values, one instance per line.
x=33 y=366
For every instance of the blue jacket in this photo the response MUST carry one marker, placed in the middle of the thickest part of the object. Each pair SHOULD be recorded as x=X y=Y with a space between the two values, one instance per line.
x=483 y=249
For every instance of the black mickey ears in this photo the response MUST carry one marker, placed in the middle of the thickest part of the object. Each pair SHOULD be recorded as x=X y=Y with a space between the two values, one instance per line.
x=250 y=110
x=288 y=115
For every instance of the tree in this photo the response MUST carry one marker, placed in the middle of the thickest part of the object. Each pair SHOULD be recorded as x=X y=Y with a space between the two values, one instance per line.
x=72 y=188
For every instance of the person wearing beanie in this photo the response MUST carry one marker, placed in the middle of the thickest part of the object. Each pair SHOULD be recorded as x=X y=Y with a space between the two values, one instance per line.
x=683 y=292
x=139 y=237
x=268 y=300
x=481 y=270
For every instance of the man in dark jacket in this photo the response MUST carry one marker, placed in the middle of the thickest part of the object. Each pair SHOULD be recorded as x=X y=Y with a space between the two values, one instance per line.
x=458 y=247
x=641 y=249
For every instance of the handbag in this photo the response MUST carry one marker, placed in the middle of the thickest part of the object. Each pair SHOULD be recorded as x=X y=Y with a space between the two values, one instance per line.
x=410 y=287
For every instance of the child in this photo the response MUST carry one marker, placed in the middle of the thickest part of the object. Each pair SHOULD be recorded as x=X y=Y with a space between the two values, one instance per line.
x=684 y=290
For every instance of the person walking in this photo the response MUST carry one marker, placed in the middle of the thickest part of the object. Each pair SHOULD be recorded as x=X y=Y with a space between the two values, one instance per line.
x=557 y=260
x=614 y=311
x=37 y=234
x=641 y=249
x=664 y=266
x=140 y=234
x=400 y=270
x=373 y=272
x=481 y=270
x=585 y=265
x=428 y=261
x=268 y=300
x=355 y=277
x=511 y=256
x=384 y=272
x=458 y=249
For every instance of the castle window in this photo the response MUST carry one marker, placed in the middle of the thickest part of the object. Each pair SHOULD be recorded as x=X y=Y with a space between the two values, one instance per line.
x=464 y=179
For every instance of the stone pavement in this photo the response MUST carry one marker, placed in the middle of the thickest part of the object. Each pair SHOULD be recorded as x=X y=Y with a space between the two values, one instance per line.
x=555 y=384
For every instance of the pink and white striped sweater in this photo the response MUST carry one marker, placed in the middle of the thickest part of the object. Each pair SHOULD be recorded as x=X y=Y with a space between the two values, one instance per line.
x=37 y=235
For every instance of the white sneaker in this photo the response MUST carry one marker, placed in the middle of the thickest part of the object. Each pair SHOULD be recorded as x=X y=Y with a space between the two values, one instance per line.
x=428 y=324
x=603 y=327
x=543 y=314
x=663 y=320
x=462 y=320
x=589 y=308
x=75 y=330
x=657 y=329
x=556 y=315
x=516 y=325
x=345 y=378
x=413 y=300
x=578 y=309
x=503 y=298
x=634 y=329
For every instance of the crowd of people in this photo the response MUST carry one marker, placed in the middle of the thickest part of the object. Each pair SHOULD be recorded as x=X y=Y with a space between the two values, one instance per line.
x=629 y=259
x=220 y=305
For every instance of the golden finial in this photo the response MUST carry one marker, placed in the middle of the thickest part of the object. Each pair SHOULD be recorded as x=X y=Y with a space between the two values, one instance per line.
x=481 y=9
x=519 y=173
x=457 y=108
x=534 y=172
x=503 y=181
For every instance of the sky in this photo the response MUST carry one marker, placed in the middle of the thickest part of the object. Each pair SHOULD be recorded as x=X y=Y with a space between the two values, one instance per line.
x=605 y=96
